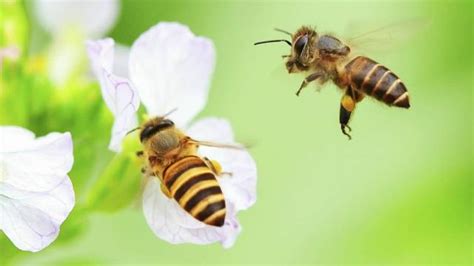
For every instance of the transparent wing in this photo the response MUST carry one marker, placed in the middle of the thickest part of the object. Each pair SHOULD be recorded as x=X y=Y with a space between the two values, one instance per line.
x=385 y=38
x=217 y=144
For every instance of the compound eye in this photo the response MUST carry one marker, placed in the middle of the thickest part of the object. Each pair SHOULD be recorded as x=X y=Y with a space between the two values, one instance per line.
x=300 y=44
x=164 y=124
x=146 y=133
x=152 y=130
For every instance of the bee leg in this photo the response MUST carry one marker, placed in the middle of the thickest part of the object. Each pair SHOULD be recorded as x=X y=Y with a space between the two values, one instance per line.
x=347 y=106
x=165 y=190
x=285 y=56
x=139 y=154
x=307 y=80
x=230 y=174
x=216 y=167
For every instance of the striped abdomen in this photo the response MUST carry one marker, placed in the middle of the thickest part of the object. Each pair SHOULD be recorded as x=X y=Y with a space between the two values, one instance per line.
x=194 y=186
x=377 y=81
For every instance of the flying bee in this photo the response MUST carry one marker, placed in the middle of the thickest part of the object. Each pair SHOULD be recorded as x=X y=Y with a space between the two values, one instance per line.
x=327 y=58
x=188 y=178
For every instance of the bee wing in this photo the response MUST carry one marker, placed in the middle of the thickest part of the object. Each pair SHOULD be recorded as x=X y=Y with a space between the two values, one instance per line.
x=218 y=145
x=386 y=38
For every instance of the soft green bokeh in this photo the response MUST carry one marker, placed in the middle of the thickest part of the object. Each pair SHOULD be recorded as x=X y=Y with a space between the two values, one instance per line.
x=399 y=193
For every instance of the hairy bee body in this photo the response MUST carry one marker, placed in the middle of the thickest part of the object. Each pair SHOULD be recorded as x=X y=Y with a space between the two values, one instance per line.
x=191 y=180
x=193 y=184
x=375 y=80
x=327 y=58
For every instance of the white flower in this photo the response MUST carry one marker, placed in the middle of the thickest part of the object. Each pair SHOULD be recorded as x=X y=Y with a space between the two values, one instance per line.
x=172 y=68
x=36 y=194
x=70 y=22
x=93 y=17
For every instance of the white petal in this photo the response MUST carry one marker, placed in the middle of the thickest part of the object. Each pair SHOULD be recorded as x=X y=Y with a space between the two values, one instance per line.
x=172 y=68
x=126 y=105
x=241 y=187
x=171 y=223
x=118 y=93
x=31 y=220
x=101 y=55
x=94 y=18
x=13 y=138
x=38 y=166
x=121 y=57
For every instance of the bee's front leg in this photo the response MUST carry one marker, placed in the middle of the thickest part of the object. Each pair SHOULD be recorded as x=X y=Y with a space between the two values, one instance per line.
x=307 y=80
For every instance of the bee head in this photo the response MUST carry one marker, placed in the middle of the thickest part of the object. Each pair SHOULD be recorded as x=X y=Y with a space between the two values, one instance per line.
x=303 y=45
x=302 y=50
x=153 y=127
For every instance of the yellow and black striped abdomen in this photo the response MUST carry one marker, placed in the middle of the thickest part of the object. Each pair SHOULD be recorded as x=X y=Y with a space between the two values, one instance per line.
x=375 y=80
x=194 y=186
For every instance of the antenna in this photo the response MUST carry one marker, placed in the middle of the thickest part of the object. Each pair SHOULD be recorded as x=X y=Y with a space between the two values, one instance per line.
x=284 y=31
x=132 y=130
x=269 y=41
x=170 y=112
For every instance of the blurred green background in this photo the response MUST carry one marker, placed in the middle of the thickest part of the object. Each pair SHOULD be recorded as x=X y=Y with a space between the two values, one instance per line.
x=400 y=192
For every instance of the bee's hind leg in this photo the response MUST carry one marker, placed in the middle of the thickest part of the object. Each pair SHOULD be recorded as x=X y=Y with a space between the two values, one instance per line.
x=348 y=104
x=343 y=129
x=216 y=167
x=307 y=80
x=347 y=107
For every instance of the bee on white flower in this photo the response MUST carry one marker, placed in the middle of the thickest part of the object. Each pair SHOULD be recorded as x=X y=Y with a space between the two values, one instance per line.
x=170 y=67
x=36 y=194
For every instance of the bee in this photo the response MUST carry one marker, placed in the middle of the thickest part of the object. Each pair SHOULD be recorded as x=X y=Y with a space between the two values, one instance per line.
x=191 y=180
x=327 y=58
